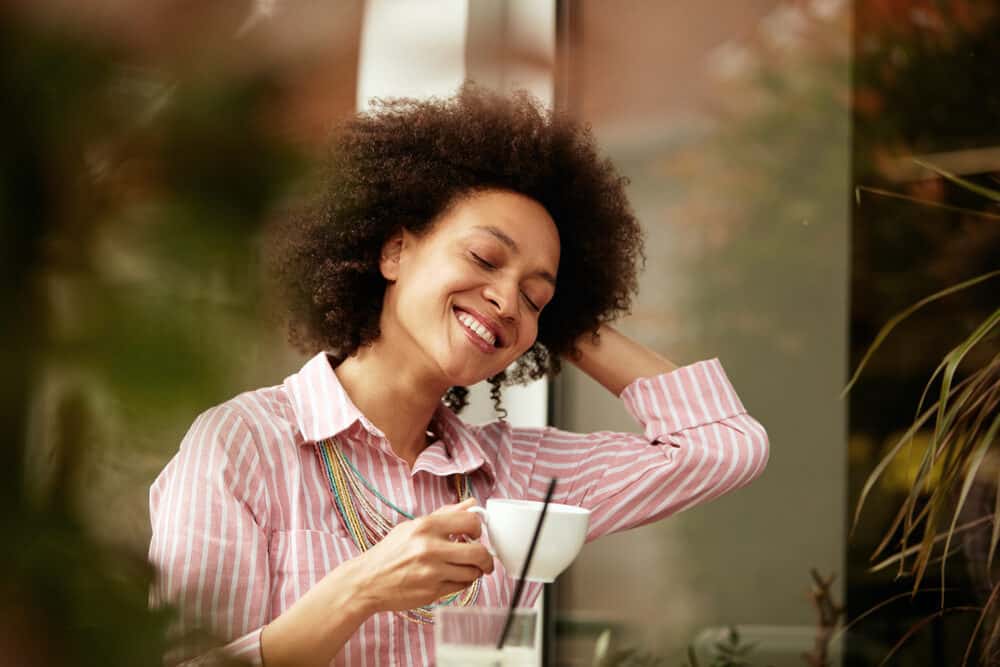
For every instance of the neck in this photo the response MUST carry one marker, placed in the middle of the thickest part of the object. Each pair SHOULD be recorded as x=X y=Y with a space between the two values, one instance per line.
x=398 y=401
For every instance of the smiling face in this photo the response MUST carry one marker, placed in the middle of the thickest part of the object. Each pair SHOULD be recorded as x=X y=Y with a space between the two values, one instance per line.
x=464 y=298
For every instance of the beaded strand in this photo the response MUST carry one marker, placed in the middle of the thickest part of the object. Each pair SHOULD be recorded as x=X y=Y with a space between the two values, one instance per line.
x=367 y=525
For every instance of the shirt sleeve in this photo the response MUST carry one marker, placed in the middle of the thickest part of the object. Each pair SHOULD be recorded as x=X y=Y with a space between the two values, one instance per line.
x=209 y=544
x=698 y=442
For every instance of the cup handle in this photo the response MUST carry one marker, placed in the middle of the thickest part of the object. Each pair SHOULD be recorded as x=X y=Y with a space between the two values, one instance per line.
x=484 y=519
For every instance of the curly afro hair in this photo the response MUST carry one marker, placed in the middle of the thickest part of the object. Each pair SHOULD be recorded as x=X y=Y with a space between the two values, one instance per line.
x=403 y=164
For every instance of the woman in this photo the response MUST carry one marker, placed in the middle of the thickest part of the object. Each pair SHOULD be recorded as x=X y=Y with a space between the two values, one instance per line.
x=460 y=240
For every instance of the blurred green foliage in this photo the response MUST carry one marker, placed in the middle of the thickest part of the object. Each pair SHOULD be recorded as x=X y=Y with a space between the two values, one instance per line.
x=132 y=200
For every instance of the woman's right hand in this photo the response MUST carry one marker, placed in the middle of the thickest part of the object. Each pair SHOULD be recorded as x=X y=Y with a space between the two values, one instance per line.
x=415 y=564
x=418 y=562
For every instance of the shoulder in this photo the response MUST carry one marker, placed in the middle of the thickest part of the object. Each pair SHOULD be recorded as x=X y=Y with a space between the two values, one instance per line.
x=500 y=437
x=260 y=418
x=491 y=434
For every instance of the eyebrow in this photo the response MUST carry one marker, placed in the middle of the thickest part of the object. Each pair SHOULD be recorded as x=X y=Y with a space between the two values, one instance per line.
x=502 y=236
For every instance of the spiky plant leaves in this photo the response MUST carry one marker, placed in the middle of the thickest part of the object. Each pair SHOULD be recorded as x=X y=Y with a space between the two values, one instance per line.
x=965 y=427
x=989 y=193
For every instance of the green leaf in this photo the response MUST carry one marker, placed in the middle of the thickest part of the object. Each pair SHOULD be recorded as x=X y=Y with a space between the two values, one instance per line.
x=954 y=358
x=970 y=478
x=886 y=460
x=968 y=185
x=881 y=565
x=922 y=202
x=939 y=500
x=889 y=326
x=995 y=536
x=601 y=648
x=979 y=622
x=920 y=624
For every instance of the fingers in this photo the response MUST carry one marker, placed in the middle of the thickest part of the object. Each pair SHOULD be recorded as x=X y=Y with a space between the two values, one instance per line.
x=460 y=574
x=456 y=521
x=468 y=554
x=457 y=578
x=449 y=587
x=456 y=507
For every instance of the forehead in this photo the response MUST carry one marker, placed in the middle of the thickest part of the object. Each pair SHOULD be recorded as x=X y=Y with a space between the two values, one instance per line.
x=512 y=219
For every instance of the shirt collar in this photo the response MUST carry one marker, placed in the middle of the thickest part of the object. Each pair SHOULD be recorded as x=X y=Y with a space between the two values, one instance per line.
x=462 y=447
x=323 y=410
x=322 y=407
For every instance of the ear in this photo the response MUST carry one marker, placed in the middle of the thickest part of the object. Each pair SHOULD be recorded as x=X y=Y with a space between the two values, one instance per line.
x=392 y=249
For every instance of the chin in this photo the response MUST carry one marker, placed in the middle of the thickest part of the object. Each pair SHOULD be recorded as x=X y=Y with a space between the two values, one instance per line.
x=464 y=377
x=458 y=372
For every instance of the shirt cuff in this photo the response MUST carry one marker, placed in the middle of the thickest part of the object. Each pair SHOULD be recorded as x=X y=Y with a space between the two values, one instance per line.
x=686 y=397
x=246 y=648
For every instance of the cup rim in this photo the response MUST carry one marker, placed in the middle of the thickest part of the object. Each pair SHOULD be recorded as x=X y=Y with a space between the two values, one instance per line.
x=535 y=504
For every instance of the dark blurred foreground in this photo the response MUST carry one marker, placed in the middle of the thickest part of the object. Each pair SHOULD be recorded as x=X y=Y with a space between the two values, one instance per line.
x=138 y=169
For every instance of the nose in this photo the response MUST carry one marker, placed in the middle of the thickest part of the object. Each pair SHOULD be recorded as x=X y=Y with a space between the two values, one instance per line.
x=503 y=295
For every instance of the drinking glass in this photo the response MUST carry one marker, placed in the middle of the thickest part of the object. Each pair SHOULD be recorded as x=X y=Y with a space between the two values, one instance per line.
x=467 y=637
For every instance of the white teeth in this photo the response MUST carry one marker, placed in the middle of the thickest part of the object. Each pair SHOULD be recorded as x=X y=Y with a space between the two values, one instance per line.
x=473 y=324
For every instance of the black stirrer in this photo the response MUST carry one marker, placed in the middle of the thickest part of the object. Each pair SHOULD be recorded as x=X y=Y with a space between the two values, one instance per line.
x=519 y=589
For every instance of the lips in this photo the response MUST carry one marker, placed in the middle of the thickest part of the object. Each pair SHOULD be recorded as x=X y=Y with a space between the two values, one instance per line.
x=486 y=323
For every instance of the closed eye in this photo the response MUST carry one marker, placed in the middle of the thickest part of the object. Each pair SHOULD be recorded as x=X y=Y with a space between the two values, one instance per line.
x=487 y=265
x=482 y=261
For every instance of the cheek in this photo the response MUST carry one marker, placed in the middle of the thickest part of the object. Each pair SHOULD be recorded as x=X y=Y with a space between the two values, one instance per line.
x=528 y=337
x=444 y=276
x=424 y=306
x=429 y=288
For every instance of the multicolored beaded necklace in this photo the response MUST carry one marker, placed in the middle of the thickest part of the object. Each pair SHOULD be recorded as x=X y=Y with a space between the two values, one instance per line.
x=367 y=526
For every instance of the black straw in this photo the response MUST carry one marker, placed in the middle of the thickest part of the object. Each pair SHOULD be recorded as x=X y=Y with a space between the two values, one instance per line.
x=519 y=589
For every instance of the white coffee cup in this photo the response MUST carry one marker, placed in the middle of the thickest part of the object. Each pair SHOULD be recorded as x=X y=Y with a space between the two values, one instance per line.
x=510 y=524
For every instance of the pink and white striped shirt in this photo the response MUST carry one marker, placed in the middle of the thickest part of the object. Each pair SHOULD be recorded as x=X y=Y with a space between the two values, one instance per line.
x=244 y=523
